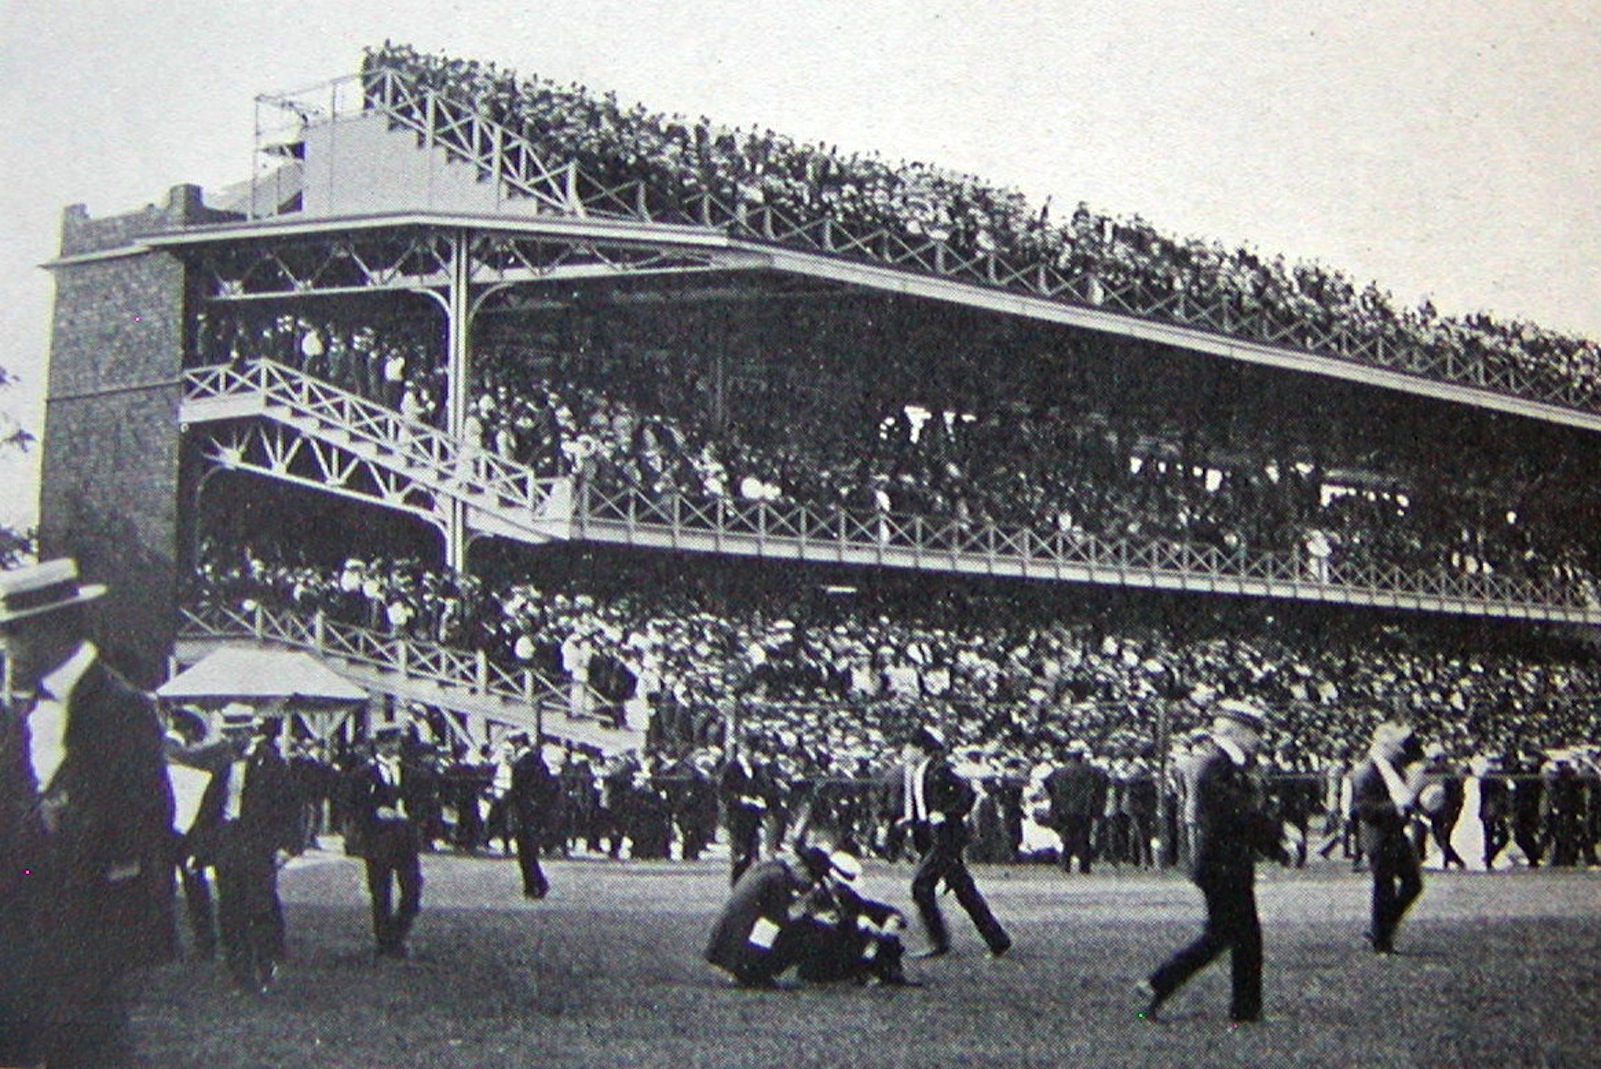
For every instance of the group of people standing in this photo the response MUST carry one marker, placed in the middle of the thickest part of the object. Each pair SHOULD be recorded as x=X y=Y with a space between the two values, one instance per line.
x=87 y=843
x=784 y=914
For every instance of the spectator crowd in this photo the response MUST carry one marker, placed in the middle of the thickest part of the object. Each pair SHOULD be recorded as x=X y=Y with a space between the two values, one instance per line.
x=1122 y=262
x=1068 y=470
x=1016 y=674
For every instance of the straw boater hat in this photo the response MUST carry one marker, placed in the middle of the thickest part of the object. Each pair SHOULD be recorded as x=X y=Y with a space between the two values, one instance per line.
x=1241 y=712
x=42 y=588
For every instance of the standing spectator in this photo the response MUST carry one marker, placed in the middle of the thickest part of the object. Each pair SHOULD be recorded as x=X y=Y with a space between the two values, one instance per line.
x=1495 y=810
x=253 y=812
x=1139 y=801
x=1564 y=812
x=1442 y=817
x=86 y=874
x=697 y=806
x=1383 y=797
x=1232 y=829
x=1187 y=767
x=748 y=788
x=1077 y=793
x=1528 y=804
x=937 y=802
x=612 y=814
x=192 y=762
x=532 y=800
x=390 y=845
x=465 y=782
x=649 y=817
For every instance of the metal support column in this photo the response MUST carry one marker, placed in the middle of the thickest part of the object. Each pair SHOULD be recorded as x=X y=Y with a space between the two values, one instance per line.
x=458 y=331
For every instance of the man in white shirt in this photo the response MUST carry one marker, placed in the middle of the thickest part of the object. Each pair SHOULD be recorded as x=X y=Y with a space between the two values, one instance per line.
x=390 y=845
x=86 y=874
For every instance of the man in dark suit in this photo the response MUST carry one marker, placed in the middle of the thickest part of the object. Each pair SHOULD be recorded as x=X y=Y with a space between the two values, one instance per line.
x=840 y=934
x=390 y=844
x=193 y=759
x=1384 y=792
x=86 y=811
x=1077 y=793
x=533 y=796
x=753 y=939
x=1528 y=805
x=1564 y=811
x=1447 y=809
x=748 y=787
x=1231 y=830
x=1495 y=810
x=251 y=814
x=936 y=801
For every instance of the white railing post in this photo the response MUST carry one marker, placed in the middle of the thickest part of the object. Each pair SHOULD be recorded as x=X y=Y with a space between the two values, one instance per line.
x=481 y=671
x=319 y=625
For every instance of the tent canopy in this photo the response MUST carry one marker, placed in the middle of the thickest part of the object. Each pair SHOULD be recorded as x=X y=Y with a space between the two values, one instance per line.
x=260 y=675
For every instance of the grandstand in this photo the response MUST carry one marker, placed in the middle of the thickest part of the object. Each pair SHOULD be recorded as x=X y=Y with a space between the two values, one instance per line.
x=687 y=385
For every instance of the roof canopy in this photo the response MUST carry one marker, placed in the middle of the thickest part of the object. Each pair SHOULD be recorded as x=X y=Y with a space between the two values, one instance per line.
x=260 y=675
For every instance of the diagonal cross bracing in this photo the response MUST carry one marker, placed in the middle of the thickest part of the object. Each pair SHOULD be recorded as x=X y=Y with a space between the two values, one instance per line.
x=402 y=457
x=459 y=681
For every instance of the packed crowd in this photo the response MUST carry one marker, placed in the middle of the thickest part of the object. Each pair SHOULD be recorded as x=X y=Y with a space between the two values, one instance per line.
x=389 y=361
x=1018 y=674
x=659 y=805
x=680 y=160
x=1068 y=470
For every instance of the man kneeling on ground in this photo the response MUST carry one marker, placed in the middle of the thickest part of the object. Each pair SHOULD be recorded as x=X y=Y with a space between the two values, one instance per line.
x=806 y=915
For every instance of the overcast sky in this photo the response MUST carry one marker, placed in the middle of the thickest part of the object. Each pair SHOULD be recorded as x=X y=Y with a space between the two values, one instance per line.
x=1447 y=150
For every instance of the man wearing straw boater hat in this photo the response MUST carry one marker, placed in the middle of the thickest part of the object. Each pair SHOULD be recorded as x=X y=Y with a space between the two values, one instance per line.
x=86 y=880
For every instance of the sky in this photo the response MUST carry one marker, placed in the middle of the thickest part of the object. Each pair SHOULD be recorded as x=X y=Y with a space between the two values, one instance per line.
x=1447 y=150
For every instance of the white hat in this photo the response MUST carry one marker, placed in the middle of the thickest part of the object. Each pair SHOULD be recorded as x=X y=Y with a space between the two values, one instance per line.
x=42 y=588
x=847 y=867
x=1241 y=712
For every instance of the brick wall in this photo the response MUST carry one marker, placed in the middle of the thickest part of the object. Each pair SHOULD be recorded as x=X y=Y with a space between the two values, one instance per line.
x=110 y=479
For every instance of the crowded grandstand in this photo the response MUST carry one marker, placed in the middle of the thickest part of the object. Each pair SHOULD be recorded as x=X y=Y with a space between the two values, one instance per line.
x=703 y=434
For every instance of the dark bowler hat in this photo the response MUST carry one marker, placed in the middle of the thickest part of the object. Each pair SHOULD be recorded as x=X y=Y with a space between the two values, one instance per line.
x=42 y=588
x=927 y=739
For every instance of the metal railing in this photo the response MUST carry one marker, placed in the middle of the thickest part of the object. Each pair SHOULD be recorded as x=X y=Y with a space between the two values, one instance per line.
x=450 y=669
x=939 y=543
x=461 y=129
x=508 y=490
x=439 y=461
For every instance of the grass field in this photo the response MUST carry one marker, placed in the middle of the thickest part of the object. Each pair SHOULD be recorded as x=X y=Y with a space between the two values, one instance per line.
x=1496 y=970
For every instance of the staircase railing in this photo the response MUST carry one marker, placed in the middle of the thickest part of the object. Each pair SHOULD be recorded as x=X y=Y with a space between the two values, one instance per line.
x=438 y=460
x=510 y=491
x=451 y=669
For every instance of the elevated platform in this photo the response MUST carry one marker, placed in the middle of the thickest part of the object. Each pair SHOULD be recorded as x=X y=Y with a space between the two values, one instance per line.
x=395 y=173
x=409 y=466
x=460 y=682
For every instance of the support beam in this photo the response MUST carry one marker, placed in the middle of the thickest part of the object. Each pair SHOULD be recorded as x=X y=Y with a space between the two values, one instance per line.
x=458 y=318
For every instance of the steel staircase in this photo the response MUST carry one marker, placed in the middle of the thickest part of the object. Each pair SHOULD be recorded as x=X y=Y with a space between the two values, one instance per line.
x=346 y=444
x=464 y=683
